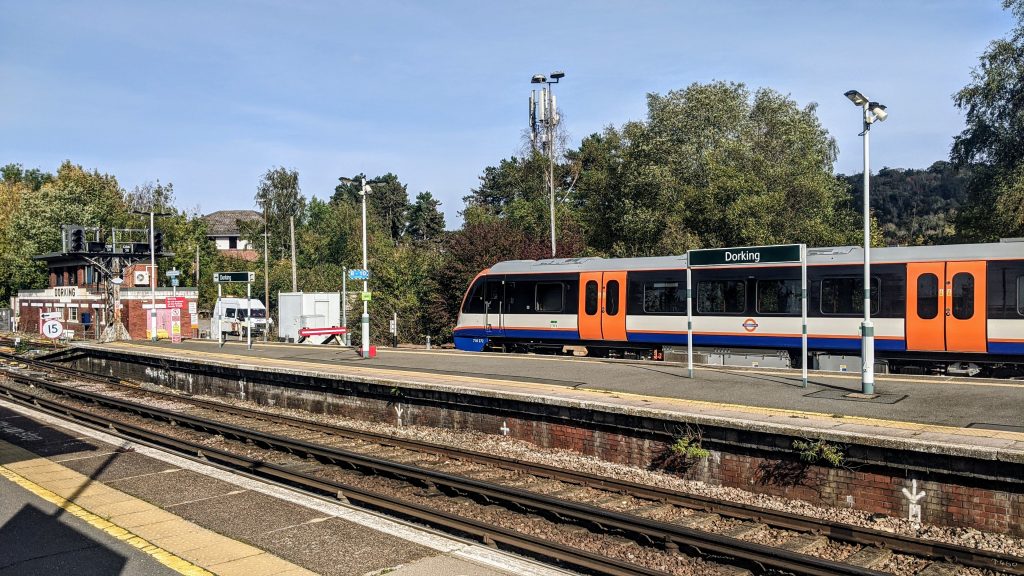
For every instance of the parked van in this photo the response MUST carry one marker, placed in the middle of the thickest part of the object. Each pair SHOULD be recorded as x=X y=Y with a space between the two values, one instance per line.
x=231 y=316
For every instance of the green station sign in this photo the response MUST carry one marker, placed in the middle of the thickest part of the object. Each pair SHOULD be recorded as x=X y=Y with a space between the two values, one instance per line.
x=784 y=253
x=220 y=277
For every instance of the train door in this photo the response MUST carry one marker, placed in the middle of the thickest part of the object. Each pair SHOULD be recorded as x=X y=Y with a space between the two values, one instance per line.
x=590 y=306
x=965 y=307
x=613 y=310
x=946 y=306
x=602 y=314
x=494 y=304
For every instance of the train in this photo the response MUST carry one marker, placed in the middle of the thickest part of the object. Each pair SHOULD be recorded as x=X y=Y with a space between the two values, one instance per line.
x=952 y=309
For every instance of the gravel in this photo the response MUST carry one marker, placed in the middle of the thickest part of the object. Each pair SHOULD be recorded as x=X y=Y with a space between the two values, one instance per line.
x=524 y=451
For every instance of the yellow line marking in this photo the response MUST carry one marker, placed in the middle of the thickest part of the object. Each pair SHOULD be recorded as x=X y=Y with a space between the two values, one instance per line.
x=162 y=556
x=606 y=394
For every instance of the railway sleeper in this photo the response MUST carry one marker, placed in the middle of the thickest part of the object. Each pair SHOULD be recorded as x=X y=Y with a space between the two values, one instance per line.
x=869 y=557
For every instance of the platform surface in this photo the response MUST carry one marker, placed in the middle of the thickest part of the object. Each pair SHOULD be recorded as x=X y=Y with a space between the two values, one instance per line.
x=967 y=413
x=78 y=501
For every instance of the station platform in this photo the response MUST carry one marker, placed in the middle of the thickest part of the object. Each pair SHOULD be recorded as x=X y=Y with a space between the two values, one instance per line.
x=976 y=418
x=76 y=500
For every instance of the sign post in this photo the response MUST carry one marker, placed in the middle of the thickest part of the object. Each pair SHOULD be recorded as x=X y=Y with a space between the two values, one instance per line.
x=749 y=256
x=235 y=277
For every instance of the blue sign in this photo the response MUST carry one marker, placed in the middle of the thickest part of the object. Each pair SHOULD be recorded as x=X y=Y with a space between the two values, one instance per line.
x=357 y=274
x=174 y=281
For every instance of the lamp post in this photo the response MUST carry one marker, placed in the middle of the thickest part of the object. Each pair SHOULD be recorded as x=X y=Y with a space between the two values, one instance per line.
x=873 y=111
x=544 y=110
x=364 y=320
x=152 y=269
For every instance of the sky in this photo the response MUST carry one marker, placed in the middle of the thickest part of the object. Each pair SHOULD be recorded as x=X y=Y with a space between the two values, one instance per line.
x=210 y=95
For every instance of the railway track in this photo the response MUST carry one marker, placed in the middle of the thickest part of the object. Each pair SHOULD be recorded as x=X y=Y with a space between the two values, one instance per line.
x=669 y=521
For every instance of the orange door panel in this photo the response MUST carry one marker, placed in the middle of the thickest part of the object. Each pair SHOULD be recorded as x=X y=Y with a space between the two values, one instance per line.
x=613 y=306
x=964 y=309
x=590 y=306
x=926 y=325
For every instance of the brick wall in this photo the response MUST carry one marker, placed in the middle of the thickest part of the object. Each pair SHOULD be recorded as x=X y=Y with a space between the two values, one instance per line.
x=961 y=491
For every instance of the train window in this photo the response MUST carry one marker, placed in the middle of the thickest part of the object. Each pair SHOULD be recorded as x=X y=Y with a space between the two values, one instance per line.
x=549 y=296
x=846 y=295
x=475 y=301
x=778 y=296
x=1020 y=295
x=963 y=296
x=722 y=296
x=495 y=294
x=611 y=298
x=664 y=298
x=590 y=298
x=927 y=296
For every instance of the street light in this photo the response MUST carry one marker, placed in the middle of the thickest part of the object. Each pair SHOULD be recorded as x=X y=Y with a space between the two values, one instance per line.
x=364 y=321
x=873 y=111
x=544 y=110
x=152 y=269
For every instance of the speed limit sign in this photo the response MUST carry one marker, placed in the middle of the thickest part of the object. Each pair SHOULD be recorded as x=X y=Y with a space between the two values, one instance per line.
x=53 y=329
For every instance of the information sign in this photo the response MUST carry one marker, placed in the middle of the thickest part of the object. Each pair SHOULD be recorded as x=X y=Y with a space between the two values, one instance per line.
x=358 y=274
x=785 y=253
x=174 y=281
x=175 y=303
x=221 y=277
x=53 y=329
x=365 y=296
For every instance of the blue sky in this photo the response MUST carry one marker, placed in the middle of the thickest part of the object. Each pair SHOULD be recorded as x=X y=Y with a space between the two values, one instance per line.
x=209 y=95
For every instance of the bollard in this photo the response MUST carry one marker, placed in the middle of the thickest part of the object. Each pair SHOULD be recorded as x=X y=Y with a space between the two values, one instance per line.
x=428 y=342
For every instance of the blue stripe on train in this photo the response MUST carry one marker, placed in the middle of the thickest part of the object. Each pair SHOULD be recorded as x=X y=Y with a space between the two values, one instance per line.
x=753 y=340
x=1006 y=347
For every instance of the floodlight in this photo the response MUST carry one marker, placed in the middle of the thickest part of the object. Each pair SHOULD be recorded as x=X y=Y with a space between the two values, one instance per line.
x=558 y=74
x=878 y=110
x=856 y=97
x=538 y=79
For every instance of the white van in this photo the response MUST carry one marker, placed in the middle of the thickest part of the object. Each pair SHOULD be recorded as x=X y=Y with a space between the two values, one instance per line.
x=231 y=316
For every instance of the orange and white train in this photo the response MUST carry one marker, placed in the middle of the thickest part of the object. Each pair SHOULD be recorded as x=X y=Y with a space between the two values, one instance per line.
x=950 y=309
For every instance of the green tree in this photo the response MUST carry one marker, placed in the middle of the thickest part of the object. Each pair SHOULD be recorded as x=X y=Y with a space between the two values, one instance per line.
x=992 y=144
x=279 y=198
x=713 y=165
x=426 y=221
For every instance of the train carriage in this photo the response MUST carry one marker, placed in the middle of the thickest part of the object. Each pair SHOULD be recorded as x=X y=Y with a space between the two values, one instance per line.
x=951 y=309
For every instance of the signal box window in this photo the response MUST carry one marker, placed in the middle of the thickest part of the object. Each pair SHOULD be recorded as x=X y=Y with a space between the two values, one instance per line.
x=927 y=296
x=722 y=297
x=72 y=314
x=664 y=298
x=963 y=296
x=611 y=298
x=590 y=298
x=845 y=296
x=549 y=296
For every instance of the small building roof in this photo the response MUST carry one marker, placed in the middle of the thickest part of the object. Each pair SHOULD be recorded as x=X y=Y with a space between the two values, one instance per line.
x=225 y=222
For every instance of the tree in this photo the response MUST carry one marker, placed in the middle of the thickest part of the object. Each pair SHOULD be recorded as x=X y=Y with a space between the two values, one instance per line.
x=992 y=144
x=713 y=165
x=426 y=221
x=279 y=198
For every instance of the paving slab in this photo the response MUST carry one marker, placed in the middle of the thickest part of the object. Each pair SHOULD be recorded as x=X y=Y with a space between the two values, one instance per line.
x=339 y=548
x=263 y=514
x=174 y=487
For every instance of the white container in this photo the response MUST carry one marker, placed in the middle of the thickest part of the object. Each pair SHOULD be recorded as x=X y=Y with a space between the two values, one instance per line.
x=297 y=310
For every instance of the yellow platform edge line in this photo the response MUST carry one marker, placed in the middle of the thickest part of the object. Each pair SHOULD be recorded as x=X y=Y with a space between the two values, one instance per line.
x=761 y=410
x=179 y=565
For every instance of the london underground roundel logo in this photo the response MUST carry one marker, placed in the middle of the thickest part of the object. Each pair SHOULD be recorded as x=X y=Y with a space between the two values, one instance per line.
x=749 y=324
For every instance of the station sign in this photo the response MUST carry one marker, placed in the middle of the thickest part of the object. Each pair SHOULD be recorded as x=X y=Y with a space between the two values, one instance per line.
x=779 y=254
x=358 y=274
x=222 y=277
